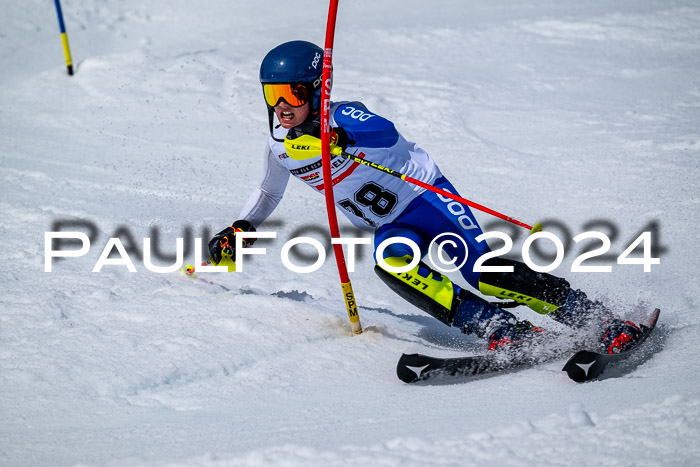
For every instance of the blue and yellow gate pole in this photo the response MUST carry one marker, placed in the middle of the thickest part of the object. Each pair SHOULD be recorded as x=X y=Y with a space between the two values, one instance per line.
x=64 y=37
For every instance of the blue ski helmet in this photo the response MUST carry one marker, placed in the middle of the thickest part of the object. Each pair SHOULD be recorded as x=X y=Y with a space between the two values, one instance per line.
x=295 y=62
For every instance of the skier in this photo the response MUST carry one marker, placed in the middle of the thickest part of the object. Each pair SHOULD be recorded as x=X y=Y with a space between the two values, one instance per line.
x=290 y=75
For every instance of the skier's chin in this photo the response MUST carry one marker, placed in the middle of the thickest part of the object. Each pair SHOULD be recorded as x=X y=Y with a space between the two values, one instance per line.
x=288 y=123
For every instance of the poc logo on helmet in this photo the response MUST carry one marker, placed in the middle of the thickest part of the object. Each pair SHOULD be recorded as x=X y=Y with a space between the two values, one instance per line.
x=357 y=114
x=317 y=57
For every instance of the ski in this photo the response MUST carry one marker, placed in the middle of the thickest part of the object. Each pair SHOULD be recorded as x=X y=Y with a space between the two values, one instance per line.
x=413 y=368
x=587 y=365
x=583 y=366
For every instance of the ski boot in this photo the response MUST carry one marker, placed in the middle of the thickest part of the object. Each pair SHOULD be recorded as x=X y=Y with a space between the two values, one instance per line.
x=438 y=296
x=579 y=311
x=618 y=335
x=513 y=336
x=475 y=315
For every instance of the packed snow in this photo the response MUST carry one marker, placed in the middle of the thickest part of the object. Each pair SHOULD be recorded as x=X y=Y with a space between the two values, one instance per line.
x=582 y=115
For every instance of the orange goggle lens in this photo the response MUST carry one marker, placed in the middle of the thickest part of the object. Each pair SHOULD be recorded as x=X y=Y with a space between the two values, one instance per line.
x=294 y=94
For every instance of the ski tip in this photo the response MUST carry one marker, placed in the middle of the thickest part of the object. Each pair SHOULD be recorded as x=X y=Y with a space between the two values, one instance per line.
x=654 y=317
x=584 y=365
x=410 y=367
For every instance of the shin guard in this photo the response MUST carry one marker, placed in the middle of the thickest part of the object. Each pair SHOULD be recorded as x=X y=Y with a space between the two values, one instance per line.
x=435 y=294
x=542 y=292
x=427 y=289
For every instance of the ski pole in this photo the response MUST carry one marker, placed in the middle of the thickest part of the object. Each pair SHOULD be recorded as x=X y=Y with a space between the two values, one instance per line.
x=307 y=146
x=64 y=37
x=338 y=151
x=348 y=294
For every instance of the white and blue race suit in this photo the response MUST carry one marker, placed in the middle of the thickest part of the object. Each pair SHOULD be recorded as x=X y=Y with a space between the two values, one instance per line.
x=371 y=199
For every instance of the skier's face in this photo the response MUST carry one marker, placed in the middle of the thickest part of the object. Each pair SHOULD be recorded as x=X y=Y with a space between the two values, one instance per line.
x=289 y=116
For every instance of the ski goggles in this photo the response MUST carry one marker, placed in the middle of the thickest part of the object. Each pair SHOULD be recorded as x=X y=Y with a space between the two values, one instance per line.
x=294 y=94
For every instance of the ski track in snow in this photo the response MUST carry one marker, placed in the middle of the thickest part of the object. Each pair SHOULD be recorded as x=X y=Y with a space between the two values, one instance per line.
x=582 y=114
x=522 y=443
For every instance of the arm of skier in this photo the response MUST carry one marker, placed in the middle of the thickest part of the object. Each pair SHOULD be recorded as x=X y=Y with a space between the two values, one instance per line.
x=261 y=203
x=352 y=126
x=363 y=128
x=267 y=195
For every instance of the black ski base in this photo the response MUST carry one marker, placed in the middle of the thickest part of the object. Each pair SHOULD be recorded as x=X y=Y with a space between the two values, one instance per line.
x=586 y=365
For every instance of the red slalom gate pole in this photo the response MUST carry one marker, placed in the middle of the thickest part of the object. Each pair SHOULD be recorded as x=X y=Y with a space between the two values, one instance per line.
x=348 y=294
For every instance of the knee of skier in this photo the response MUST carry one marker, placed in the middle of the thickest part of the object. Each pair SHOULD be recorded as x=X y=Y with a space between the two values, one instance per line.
x=397 y=242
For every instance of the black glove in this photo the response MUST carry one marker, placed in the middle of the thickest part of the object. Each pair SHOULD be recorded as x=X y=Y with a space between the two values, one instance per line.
x=224 y=241
x=339 y=137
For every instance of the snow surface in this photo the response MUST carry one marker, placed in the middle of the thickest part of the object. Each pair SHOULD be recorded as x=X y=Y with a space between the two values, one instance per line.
x=572 y=112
